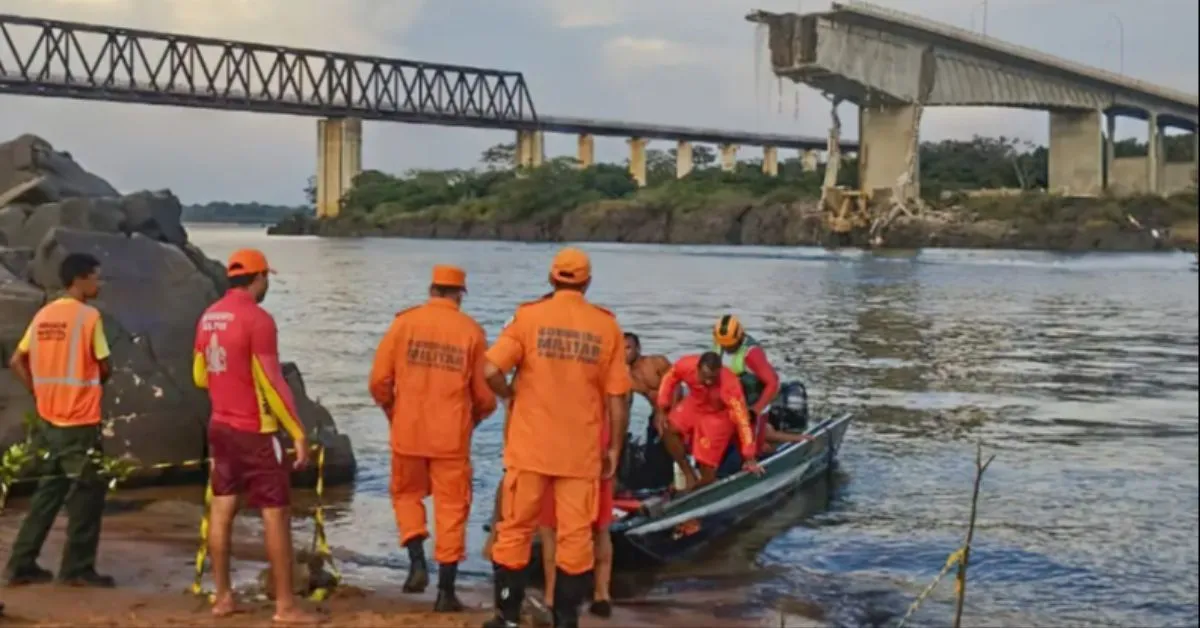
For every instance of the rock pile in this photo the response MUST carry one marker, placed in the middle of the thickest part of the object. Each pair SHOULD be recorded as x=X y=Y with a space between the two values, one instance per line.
x=156 y=284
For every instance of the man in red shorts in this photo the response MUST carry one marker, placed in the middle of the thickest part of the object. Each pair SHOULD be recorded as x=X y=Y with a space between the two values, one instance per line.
x=707 y=417
x=237 y=360
x=601 y=597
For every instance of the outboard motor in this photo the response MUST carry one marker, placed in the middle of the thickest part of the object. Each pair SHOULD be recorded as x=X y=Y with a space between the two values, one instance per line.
x=789 y=413
x=645 y=465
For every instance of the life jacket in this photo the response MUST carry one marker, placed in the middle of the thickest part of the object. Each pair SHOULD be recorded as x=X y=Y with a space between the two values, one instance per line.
x=752 y=386
x=66 y=375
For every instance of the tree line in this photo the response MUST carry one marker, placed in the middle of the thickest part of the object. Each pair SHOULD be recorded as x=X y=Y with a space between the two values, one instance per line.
x=240 y=213
x=496 y=189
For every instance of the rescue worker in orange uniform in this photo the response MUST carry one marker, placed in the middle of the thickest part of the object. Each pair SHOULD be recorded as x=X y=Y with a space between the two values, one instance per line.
x=707 y=418
x=63 y=359
x=236 y=358
x=428 y=377
x=601 y=599
x=573 y=377
x=646 y=372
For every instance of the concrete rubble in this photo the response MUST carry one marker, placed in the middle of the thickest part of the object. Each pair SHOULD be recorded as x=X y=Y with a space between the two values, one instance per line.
x=156 y=284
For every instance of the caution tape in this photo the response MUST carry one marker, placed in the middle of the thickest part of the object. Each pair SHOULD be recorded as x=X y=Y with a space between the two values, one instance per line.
x=953 y=559
x=320 y=545
x=117 y=470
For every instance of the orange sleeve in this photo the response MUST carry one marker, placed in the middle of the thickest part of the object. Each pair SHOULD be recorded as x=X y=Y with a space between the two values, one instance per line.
x=666 y=389
x=617 y=380
x=381 y=382
x=734 y=399
x=483 y=400
x=506 y=354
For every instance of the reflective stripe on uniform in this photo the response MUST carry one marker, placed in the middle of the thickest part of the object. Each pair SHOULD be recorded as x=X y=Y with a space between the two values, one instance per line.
x=74 y=335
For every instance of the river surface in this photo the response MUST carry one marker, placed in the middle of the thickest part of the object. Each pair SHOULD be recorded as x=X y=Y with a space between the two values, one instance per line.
x=1078 y=372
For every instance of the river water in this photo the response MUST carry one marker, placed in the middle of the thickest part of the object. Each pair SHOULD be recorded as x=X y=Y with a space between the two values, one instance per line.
x=1080 y=373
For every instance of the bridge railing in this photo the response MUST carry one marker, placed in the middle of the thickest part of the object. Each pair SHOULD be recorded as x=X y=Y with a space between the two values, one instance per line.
x=72 y=60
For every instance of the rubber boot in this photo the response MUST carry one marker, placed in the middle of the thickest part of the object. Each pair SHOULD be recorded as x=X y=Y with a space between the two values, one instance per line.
x=418 y=571
x=509 y=597
x=447 y=600
x=569 y=593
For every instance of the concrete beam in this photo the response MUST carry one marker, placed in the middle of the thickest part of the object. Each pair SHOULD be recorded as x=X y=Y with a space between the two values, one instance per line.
x=637 y=160
x=770 y=162
x=1076 y=153
x=728 y=157
x=683 y=159
x=587 y=150
x=886 y=135
x=339 y=161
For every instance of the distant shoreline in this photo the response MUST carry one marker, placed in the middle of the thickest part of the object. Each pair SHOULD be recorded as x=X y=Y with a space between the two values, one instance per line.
x=1068 y=229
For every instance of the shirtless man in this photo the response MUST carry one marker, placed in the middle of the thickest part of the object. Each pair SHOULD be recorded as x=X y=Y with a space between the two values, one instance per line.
x=646 y=370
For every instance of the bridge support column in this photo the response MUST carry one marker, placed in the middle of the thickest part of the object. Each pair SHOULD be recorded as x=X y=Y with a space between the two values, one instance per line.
x=683 y=159
x=728 y=157
x=1110 y=149
x=1153 y=153
x=339 y=161
x=809 y=161
x=770 y=164
x=587 y=150
x=1076 y=153
x=637 y=160
x=530 y=149
x=886 y=135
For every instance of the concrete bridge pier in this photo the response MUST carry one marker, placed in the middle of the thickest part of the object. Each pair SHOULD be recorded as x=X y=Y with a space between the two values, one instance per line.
x=683 y=159
x=1154 y=152
x=1076 y=153
x=587 y=150
x=728 y=157
x=531 y=149
x=770 y=162
x=637 y=160
x=809 y=161
x=339 y=161
x=886 y=134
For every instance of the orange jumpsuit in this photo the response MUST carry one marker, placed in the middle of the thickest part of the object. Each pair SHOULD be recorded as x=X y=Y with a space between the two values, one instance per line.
x=429 y=370
x=709 y=415
x=571 y=356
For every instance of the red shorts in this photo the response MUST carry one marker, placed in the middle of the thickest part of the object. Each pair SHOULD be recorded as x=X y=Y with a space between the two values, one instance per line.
x=707 y=432
x=250 y=464
x=604 y=514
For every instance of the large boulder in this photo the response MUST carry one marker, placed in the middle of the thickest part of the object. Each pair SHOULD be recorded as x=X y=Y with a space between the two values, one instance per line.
x=29 y=157
x=156 y=285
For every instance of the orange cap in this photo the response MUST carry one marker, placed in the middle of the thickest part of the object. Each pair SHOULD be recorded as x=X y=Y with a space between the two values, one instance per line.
x=246 y=262
x=571 y=266
x=449 y=276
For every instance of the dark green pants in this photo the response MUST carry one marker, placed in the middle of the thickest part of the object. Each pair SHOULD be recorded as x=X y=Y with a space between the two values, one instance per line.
x=83 y=493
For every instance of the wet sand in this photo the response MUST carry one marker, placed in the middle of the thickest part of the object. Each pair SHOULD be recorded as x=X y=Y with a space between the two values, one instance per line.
x=149 y=544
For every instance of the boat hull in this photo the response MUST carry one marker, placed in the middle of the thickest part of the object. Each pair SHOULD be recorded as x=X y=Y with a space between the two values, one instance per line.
x=679 y=528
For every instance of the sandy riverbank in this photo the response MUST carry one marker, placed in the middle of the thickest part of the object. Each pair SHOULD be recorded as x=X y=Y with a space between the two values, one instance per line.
x=149 y=545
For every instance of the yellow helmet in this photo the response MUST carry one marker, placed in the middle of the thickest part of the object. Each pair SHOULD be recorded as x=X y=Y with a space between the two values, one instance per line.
x=728 y=332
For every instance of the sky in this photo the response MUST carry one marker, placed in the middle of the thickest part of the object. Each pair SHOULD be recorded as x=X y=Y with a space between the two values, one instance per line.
x=688 y=62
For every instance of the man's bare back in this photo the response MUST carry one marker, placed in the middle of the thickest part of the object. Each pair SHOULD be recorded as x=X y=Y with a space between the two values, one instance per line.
x=647 y=372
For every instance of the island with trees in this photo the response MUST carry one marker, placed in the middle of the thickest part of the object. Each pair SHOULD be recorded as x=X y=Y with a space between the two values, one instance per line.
x=241 y=213
x=981 y=193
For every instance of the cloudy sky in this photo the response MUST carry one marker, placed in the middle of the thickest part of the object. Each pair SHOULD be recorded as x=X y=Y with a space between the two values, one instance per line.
x=689 y=62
